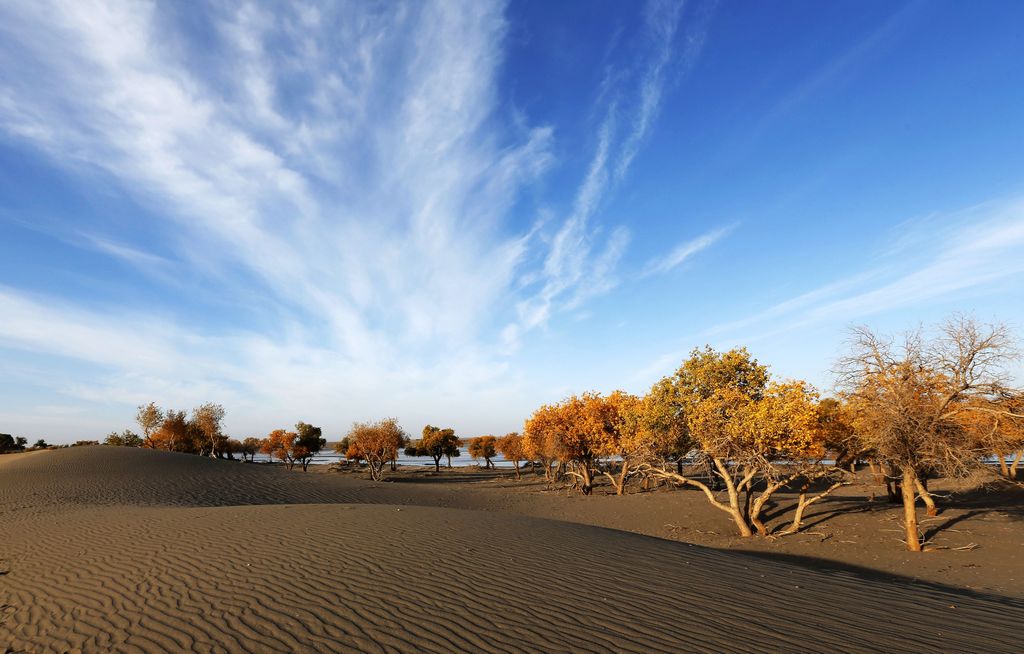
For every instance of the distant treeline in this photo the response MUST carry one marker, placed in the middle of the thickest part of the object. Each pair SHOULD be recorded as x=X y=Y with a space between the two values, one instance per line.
x=200 y=432
x=10 y=443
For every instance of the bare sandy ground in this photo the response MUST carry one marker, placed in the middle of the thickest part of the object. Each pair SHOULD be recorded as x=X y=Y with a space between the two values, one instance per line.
x=108 y=549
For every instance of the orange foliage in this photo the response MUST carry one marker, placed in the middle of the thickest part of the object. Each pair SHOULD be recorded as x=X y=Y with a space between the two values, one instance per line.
x=376 y=443
x=279 y=445
x=578 y=431
x=483 y=447
x=436 y=443
x=913 y=402
x=746 y=428
x=174 y=434
x=511 y=448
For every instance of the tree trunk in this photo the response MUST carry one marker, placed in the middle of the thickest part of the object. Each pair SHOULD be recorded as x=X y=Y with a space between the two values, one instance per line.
x=623 y=475
x=619 y=482
x=909 y=509
x=437 y=463
x=744 y=529
x=893 y=486
x=803 y=503
x=518 y=475
x=1003 y=468
x=738 y=516
x=741 y=523
x=880 y=479
x=929 y=501
x=754 y=512
x=1016 y=462
x=587 y=479
x=755 y=519
x=575 y=483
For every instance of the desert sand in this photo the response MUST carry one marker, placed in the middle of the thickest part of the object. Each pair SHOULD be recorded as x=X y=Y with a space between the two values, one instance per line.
x=118 y=549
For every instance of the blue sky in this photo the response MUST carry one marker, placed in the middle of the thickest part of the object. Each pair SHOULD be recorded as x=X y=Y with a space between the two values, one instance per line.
x=452 y=212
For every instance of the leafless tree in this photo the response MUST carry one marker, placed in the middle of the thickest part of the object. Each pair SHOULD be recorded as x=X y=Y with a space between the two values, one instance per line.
x=913 y=399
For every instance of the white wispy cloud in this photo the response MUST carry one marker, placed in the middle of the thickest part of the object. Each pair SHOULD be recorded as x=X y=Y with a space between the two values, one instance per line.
x=578 y=265
x=955 y=254
x=944 y=254
x=661 y=24
x=684 y=251
x=134 y=256
x=343 y=167
x=240 y=193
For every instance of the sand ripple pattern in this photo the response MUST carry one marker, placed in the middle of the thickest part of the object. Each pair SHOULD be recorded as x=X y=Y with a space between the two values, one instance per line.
x=132 y=476
x=329 y=577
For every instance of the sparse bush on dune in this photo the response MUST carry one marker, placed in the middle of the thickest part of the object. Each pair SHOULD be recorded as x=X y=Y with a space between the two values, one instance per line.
x=126 y=438
x=9 y=443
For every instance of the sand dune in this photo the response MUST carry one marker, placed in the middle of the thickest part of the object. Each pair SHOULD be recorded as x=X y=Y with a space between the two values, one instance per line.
x=127 y=550
x=101 y=475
